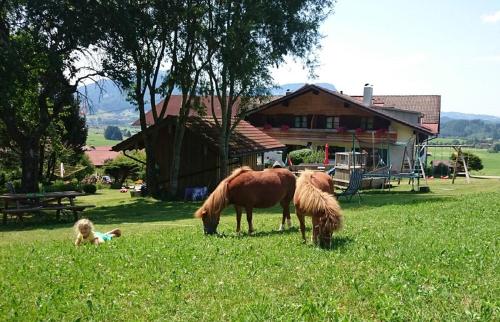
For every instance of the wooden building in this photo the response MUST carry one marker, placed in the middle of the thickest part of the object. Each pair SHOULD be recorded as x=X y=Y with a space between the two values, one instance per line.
x=199 y=166
x=313 y=116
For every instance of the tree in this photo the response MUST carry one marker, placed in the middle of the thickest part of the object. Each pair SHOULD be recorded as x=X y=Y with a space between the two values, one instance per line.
x=245 y=39
x=122 y=168
x=142 y=37
x=39 y=46
x=113 y=133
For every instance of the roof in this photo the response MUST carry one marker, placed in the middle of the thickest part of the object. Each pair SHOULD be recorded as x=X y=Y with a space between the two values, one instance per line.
x=246 y=139
x=100 y=154
x=175 y=103
x=372 y=109
x=428 y=105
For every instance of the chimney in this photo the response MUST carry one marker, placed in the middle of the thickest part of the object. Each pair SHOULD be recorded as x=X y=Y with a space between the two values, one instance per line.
x=368 y=94
x=288 y=92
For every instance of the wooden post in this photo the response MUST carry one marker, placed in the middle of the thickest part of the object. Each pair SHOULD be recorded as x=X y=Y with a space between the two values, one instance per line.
x=465 y=165
x=456 y=165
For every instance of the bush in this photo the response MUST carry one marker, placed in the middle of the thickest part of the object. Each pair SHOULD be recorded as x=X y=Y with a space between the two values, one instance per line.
x=298 y=156
x=473 y=161
x=315 y=157
x=89 y=188
x=59 y=185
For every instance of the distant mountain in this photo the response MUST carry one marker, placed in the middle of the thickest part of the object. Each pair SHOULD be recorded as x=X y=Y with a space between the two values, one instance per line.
x=109 y=105
x=446 y=116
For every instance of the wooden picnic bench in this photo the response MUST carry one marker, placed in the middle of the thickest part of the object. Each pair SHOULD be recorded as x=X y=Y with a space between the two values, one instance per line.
x=62 y=202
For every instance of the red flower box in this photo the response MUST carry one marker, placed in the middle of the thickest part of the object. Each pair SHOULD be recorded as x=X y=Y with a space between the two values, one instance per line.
x=285 y=127
x=267 y=126
x=359 y=130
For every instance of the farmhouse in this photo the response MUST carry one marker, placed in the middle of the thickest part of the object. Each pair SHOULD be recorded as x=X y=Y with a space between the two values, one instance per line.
x=384 y=128
x=199 y=166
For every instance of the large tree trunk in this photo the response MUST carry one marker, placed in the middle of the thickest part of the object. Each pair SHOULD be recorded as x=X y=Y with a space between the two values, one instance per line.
x=224 y=155
x=30 y=155
x=180 y=129
x=151 y=168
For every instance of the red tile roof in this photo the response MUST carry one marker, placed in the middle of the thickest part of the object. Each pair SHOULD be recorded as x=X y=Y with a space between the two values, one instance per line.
x=100 y=154
x=428 y=105
x=246 y=139
x=174 y=106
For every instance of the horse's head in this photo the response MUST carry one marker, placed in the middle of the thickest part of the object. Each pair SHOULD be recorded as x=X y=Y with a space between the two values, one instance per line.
x=326 y=228
x=210 y=220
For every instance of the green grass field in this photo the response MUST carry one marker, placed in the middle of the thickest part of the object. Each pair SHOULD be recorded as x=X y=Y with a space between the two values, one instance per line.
x=401 y=256
x=96 y=136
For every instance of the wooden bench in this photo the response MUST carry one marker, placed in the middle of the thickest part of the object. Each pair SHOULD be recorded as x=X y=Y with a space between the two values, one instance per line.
x=58 y=208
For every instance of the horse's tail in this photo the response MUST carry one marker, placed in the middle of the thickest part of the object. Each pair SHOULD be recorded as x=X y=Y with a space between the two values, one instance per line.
x=317 y=202
x=218 y=199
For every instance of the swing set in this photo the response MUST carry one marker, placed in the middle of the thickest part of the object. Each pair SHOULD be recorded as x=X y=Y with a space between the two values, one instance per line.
x=460 y=156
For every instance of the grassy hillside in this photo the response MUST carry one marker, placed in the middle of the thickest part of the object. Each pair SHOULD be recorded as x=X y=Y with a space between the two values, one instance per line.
x=401 y=256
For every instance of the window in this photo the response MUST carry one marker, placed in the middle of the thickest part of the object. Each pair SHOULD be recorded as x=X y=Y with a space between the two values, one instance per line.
x=300 y=121
x=367 y=123
x=332 y=122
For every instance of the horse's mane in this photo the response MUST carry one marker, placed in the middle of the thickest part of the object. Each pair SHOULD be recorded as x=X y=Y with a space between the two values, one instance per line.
x=218 y=200
x=317 y=202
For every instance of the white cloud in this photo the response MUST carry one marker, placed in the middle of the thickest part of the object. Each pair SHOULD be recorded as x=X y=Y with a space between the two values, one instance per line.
x=491 y=18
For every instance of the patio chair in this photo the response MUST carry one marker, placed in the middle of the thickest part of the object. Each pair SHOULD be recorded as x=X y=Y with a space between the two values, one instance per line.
x=353 y=187
x=10 y=187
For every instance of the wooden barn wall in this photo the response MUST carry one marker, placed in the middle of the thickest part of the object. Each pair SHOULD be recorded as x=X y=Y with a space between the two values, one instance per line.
x=197 y=165
x=199 y=161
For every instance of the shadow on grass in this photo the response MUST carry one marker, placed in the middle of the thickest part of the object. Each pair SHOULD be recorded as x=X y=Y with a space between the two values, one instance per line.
x=138 y=211
x=148 y=210
x=377 y=198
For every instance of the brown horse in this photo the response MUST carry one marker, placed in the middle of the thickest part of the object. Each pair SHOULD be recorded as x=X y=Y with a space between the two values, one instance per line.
x=312 y=197
x=248 y=189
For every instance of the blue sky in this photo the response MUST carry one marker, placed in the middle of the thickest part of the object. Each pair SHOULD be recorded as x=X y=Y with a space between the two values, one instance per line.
x=444 y=47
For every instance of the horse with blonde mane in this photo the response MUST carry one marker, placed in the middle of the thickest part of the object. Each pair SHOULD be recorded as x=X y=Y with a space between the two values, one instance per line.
x=312 y=197
x=248 y=189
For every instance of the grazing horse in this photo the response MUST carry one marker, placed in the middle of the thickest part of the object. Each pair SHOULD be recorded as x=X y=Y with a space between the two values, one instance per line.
x=248 y=189
x=312 y=197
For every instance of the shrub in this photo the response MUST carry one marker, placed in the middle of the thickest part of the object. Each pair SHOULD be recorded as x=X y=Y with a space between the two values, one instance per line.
x=298 y=156
x=59 y=185
x=473 y=161
x=89 y=188
x=315 y=157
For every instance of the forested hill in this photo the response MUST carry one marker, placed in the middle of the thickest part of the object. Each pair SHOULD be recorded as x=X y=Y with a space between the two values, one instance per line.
x=470 y=129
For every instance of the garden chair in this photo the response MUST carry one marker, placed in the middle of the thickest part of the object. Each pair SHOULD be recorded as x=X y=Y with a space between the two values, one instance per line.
x=353 y=187
x=10 y=187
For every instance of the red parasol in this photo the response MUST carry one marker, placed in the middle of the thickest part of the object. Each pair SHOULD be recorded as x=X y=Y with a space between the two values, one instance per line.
x=326 y=160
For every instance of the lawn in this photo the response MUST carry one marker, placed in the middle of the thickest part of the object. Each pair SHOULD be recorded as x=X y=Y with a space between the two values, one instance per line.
x=401 y=256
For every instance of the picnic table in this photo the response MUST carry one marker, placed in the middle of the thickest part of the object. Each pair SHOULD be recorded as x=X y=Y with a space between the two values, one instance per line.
x=61 y=201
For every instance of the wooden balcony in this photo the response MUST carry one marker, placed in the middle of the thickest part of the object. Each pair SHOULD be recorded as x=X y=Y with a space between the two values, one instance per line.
x=328 y=135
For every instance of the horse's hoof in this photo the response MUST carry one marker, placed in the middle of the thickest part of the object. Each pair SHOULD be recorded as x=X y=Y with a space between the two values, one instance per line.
x=289 y=223
x=251 y=232
x=282 y=228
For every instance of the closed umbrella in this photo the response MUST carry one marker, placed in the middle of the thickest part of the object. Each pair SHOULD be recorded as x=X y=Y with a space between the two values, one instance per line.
x=326 y=160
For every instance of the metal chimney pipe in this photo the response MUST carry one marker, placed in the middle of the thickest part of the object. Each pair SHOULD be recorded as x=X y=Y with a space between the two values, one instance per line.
x=368 y=94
